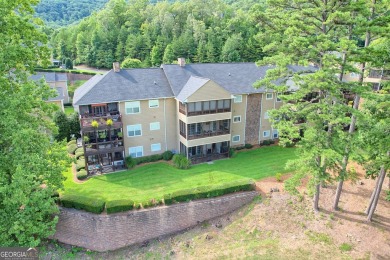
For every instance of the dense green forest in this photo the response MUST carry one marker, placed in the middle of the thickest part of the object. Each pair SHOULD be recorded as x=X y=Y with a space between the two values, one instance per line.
x=57 y=13
x=199 y=30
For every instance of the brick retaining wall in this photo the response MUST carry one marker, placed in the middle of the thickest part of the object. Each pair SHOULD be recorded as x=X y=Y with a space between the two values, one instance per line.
x=110 y=232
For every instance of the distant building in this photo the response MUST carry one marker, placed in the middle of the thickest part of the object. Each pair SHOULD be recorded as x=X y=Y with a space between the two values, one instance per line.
x=57 y=81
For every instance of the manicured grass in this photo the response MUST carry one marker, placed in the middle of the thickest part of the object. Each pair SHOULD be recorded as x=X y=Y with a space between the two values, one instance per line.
x=155 y=180
x=69 y=111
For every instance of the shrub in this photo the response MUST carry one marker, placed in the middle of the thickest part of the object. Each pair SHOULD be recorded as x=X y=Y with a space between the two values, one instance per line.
x=80 y=149
x=266 y=142
x=72 y=142
x=271 y=141
x=90 y=204
x=80 y=164
x=345 y=247
x=231 y=152
x=130 y=162
x=248 y=146
x=238 y=148
x=82 y=174
x=387 y=195
x=181 y=162
x=119 y=205
x=72 y=148
x=209 y=191
x=79 y=154
x=278 y=177
x=167 y=155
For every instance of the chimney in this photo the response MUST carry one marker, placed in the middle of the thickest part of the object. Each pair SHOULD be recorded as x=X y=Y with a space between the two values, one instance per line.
x=181 y=62
x=116 y=66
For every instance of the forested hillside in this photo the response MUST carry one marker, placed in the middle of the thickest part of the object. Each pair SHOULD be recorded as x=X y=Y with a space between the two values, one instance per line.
x=199 y=30
x=57 y=13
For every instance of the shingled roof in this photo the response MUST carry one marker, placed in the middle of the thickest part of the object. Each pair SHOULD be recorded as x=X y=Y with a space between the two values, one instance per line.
x=127 y=84
x=49 y=76
x=172 y=81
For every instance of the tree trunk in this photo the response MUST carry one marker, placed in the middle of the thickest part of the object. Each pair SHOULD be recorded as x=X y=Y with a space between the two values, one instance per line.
x=346 y=154
x=372 y=198
x=316 y=198
x=381 y=178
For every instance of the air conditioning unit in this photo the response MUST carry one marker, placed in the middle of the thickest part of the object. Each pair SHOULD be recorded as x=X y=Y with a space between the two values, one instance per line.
x=118 y=163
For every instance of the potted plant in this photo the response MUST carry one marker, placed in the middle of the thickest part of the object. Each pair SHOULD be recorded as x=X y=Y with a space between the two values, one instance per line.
x=95 y=124
x=109 y=122
x=103 y=135
x=86 y=139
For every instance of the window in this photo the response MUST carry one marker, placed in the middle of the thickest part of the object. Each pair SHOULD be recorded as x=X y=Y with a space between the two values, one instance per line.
x=236 y=138
x=155 y=147
x=275 y=133
x=277 y=98
x=237 y=119
x=269 y=96
x=266 y=115
x=137 y=151
x=132 y=107
x=134 y=130
x=154 y=126
x=153 y=103
x=266 y=133
x=237 y=98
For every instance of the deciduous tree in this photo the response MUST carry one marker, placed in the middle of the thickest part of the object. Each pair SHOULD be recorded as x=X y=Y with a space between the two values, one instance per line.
x=30 y=164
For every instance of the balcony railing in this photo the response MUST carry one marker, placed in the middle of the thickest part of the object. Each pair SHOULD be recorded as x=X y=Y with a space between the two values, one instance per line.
x=207 y=112
x=208 y=157
x=204 y=134
x=104 y=147
x=88 y=120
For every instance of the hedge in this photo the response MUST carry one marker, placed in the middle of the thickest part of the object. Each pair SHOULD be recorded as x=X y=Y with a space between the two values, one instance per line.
x=80 y=164
x=209 y=191
x=72 y=142
x=90 y=204
x=167 y=155
x=72 y=148
x=119 y=205
x=82 y=174
x=79 y=154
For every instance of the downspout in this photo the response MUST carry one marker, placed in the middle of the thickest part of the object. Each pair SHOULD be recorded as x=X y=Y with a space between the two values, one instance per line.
x=165 y=126
x=261 y=111
x=246 y=107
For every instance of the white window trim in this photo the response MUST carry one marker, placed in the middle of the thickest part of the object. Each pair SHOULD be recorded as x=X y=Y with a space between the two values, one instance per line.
x=277 y=98
x=266 y=96
x=235 y=99
x=151 y=147
x=128 y=105
x=237 y=140
x=151 y=128
x=266 y=115
x=273 y=133
x=268 y=133
x=134 y=131
x=136 y=147
x=237 y=117
x=158 y=103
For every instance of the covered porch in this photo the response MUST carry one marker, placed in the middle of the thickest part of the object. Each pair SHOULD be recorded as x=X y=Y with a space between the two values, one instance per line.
x=207 y=152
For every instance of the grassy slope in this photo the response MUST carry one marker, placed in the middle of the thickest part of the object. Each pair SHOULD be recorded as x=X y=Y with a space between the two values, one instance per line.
x=155 y=180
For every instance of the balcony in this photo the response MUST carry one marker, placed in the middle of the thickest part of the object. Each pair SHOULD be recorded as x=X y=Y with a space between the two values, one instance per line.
x=205 y=107
x=204 y=129
x=92 y=122
x=379 y=74
x=104 y=147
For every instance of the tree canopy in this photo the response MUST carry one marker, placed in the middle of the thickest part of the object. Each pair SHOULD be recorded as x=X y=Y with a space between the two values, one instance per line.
x=202 y=31
x=31 y=164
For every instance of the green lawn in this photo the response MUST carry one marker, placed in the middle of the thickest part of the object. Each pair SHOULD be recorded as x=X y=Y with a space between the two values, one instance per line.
x=69 y=111
x=155 y=180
